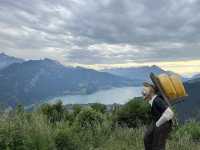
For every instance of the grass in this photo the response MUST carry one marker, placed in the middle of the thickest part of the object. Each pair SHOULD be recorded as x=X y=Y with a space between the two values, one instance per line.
x=88 y=130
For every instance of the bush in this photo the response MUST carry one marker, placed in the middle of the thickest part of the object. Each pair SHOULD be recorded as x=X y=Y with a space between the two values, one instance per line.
x=12 y=135
x=55 y=112
x=99 y=107
x=191 y=129
x=89 y=119
x=134 y=113
x=91 y=130
x=64 y=140
x=76 y=109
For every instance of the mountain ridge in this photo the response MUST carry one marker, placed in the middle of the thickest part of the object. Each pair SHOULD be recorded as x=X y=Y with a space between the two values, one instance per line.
x=35 y=80
x=189 y=108
x=6 y=60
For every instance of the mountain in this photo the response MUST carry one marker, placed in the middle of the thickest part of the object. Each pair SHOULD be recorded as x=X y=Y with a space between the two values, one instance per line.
x=6 y=60
x=184 y=79
x=189 y=108
x=196 y=76
x=138 y=74
x=35 y=80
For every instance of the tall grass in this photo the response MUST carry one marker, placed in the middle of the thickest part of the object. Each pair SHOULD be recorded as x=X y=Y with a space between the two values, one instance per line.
x=87 y=130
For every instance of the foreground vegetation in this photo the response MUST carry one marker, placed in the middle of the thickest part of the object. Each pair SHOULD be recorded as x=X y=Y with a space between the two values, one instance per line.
x=52 y=127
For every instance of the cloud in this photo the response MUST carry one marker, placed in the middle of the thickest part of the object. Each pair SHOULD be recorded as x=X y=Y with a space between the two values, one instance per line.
x=101 y=32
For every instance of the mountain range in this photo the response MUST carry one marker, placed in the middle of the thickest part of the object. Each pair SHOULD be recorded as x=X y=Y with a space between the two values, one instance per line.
x=6 y=60
x=196 y=76
x=189 y=108
x=136 y=73
x=139 y=74
x=34 y=81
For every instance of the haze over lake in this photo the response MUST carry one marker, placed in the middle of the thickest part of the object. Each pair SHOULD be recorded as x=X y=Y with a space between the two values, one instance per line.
x=110 y=96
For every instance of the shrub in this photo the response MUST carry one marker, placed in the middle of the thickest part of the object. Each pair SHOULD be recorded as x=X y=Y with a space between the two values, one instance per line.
x=39 y=133
x=64 y=140
x=191 y=129
x=91 y=130
x=55 y=112
x=134 y=113
x=99 y=107
x=89 y=119
x=76 y=109
x=12 y=130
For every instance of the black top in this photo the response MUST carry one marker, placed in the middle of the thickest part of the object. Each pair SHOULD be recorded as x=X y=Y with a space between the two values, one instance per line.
x=159 y=105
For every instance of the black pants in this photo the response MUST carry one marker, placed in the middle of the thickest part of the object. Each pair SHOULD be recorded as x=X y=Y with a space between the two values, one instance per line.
x=155 y=137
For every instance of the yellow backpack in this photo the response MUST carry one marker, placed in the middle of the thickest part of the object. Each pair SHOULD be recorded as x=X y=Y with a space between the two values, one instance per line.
x=170 y=86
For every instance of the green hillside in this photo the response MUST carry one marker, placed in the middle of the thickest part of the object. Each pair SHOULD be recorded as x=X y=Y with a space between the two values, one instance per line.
x=53 y=127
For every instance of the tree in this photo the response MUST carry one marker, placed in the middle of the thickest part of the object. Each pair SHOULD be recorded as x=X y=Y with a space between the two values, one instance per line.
x=99 y=107
x=64 y=140
x=89 y=119
x=54 y=112
x=76 y=109
x=134 y=113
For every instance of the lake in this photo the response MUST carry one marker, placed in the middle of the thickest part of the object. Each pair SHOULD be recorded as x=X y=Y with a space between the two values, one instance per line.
x=110 y=96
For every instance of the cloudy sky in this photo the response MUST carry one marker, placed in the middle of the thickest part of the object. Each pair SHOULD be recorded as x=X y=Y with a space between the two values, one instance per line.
x=104 y=33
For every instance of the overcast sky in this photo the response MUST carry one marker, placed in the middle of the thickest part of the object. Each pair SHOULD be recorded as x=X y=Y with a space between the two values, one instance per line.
x=104 y=33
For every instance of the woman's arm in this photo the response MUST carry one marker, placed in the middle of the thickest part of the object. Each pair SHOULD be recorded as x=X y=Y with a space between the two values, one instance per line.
x=166 y=116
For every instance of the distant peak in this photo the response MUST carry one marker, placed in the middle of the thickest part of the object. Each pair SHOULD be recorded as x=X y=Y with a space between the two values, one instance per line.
x=50 y=60
x=79 y=67
x=155 y=66
x=3 y=54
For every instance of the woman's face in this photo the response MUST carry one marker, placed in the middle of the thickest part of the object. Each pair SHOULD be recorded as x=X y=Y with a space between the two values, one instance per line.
x=146 y=92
